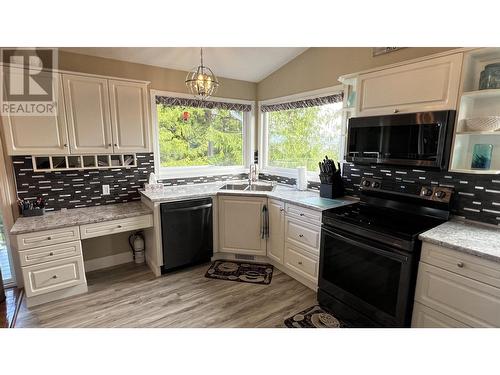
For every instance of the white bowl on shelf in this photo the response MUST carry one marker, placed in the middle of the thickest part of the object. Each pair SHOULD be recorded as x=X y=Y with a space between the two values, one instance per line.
x=483 y=124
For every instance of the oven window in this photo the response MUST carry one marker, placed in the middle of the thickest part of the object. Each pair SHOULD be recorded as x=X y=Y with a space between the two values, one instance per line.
x=368 y=276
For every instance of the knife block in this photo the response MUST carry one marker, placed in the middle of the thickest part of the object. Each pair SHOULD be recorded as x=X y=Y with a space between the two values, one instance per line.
x=335 y=189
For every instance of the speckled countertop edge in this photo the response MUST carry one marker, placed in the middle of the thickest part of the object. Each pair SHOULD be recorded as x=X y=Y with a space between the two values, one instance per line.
x=468 y=237
x=282 y=193
x=79 y=216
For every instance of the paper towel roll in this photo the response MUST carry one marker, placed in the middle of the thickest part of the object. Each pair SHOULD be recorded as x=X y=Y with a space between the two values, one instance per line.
x=302 y=178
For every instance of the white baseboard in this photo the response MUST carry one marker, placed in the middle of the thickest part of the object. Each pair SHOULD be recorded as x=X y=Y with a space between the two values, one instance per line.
x=109 y=261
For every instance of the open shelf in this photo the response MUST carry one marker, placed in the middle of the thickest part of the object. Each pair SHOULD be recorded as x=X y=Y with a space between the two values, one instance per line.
x=471 y=132
x=80 y=162
x=482 y=93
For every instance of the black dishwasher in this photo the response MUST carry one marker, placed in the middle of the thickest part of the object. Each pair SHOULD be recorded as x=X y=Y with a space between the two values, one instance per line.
x=187 y=237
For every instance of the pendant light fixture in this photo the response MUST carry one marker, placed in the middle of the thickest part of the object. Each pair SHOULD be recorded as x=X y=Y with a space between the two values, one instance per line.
x=201 y=81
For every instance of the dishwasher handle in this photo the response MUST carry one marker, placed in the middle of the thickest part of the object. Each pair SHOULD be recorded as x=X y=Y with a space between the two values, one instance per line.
x=201 y=207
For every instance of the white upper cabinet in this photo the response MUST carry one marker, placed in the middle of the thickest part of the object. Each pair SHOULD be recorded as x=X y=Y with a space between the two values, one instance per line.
x=87 y=110
x=129 y=116
x=428 y=85
x=36 y=135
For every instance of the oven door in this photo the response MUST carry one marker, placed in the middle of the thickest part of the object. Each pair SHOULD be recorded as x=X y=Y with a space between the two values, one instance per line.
x=371 y=278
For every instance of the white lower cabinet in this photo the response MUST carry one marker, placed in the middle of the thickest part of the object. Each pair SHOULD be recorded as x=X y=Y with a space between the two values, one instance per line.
x=276 y=241
x=51 y=276
x=425 y=317
x=456 y=285
x=240 y=225
x=301 y=262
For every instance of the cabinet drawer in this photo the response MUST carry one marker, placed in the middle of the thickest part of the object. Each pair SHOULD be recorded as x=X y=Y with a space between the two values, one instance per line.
x=52 y=276
x=463 y=264
x=469 y=301
x=302 y=234
x=305 y=214
x=116 y=226
x=425 y=317
x=50 y=253
x=47 y=237
x=303 y=265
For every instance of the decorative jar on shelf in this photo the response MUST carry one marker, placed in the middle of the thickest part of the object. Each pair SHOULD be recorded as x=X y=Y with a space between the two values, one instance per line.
x=490 y=77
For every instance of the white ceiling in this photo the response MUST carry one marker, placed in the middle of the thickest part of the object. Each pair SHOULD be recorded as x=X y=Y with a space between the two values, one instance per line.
x=249 y=64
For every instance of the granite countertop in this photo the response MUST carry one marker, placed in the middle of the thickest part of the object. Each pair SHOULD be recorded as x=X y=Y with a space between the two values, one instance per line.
x=79 y=216
x=308 y=199
x=471 y=238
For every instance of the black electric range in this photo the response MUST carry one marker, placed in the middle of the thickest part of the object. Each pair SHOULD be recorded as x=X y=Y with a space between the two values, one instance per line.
x=370 y=252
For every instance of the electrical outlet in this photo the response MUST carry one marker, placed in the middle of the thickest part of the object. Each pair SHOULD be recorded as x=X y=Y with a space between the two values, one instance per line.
x=105 y=189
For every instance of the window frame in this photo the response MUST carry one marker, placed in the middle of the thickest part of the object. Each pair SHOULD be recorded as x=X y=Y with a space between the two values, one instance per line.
x=203 y=170
x=264 y=166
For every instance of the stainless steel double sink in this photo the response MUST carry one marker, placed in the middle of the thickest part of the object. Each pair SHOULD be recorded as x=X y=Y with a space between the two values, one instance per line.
x=247 y=187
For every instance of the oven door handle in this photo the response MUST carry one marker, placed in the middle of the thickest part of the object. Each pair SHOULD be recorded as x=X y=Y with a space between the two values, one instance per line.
x=388 y=254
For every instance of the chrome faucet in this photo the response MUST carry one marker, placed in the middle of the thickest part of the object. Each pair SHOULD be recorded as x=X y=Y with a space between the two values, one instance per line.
x=252 y=175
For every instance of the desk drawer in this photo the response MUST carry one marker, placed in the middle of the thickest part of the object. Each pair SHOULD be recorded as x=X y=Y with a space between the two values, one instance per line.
x=302 y=264
x=49 y=253
x=468 y=301
x=303 y=235
x=47 y=237
x=51 y=276
x=467 y=265
x=116 y=226
x=305 y=214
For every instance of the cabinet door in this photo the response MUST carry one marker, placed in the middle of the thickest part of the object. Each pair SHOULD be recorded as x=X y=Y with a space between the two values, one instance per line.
x=425 y=317
x=38 y=135
x=87 y=109
x=276 y=241
x=240 y=224
x=428 y=85
x=129 y=116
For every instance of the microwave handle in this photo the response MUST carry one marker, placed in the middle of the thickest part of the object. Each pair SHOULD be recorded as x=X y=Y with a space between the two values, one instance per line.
x=388 y=254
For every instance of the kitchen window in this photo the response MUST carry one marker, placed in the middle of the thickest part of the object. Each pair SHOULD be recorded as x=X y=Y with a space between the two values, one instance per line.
x=196 y=138
x=300 y=132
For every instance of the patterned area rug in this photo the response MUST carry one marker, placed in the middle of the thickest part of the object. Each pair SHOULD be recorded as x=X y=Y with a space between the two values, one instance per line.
x=255 y=273
x=314 y=317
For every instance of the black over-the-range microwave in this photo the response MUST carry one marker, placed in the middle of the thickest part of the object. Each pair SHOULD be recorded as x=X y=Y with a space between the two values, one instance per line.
x=420 y=139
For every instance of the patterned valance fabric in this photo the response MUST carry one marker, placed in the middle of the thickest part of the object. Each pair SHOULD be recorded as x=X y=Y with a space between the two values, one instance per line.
x=303 y=103
x=171 y=101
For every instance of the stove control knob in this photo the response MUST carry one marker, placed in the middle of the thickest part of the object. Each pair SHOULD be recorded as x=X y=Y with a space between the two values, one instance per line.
x=366 y=183
x=375 y=184
x=440 y=194
x=427 y=192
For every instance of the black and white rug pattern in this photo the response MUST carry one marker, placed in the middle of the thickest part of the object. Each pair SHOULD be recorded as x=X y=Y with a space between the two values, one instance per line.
x=314 y=317
x=255 y=273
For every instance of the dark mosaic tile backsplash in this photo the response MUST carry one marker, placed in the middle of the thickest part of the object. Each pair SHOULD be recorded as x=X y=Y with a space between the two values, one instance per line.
x=81 y=188
x=476 y=197
x=202 y=179
x=287 y=180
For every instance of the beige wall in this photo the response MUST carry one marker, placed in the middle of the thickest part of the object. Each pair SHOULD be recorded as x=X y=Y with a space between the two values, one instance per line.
x=320 y=67
x=161 y=78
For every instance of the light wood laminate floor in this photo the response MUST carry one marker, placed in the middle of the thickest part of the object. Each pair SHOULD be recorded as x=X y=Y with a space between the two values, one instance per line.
x=130 y=296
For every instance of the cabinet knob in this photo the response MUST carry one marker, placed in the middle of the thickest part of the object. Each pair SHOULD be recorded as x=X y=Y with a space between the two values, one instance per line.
x=49 y=238
x=460 y=265
x=54 y=277
x=299 y=263
x=65 y=145
x=282 y=209
x=109 y=144
x=301 y=235
x=116 y=145
x=396 y=110
x=119 y=226
x=301 y=214
x=51 y=253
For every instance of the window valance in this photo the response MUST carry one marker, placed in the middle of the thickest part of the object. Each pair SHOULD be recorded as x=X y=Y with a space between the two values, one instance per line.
x=172 y=101
x=335 y=98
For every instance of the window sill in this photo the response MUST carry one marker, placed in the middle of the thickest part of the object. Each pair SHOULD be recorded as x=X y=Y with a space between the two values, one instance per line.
x=187 y=172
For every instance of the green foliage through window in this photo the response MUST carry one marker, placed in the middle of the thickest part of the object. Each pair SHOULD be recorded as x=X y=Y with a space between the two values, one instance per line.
x=303 y=136
x=207 y=137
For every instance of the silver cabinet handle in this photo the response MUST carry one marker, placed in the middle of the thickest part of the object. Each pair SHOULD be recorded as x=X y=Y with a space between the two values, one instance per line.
x=460 y=265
